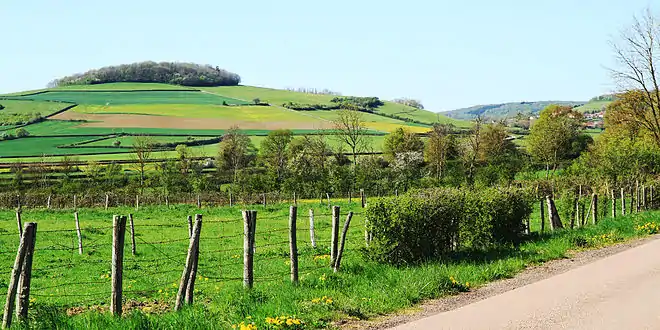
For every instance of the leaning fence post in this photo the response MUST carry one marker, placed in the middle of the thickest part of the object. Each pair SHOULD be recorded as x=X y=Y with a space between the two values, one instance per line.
x=107 y=201
x=23 y=298
x=553 y=216
x=335 y=235
x=343 y=241
x=19 y=222
x=13 y=283
x=190 y=226
x=190 y=290
x=185 y=277
x=80 y=245
x=293 y=244
x=312 y=237
x=130 y=220
x=248 y=249
x=118 y=232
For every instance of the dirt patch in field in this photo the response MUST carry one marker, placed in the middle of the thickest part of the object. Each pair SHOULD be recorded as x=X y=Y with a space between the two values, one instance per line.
x=146 y=121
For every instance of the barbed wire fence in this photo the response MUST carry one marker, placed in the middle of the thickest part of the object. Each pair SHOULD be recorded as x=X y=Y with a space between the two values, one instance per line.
x=178 y=261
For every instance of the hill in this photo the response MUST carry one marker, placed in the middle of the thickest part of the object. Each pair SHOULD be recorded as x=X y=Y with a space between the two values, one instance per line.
x=597 y=104
x=97 y=120
x=505 y=110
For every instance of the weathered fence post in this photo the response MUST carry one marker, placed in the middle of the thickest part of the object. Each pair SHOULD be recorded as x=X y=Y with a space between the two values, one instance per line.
x=637 y=193
x=613 y=204
x=137 y=202
x=107 y=201
x=249 y=223
x=13 y=283
x=293 y=243
x=75 y=202
x=190 y=290
x=48 y=202
x=542 y=210
x=576 y=210
x=118 y=232
x=190 y=226
x=362 y=198
x=328 y=196
x=623 y=202
x=185 y=277
x=130 y=221
x=350 y=196
x=644 y=197
x=312 y=237
x=231 y=199
x=80 y=245
x=343 y=241
x=264 y=198
x=632 y=200
x=19 y=222
x=553 y=216
x=594 y=209
x=167 y=200
x=335 y=235
x=23 y=298
x=199 y=201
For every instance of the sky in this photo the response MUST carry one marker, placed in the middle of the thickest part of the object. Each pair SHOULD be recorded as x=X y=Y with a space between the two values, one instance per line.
x=448 y=54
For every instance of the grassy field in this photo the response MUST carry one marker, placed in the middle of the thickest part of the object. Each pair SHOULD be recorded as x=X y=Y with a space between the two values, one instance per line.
x=128 y=141
x=65 y=282
x=138 y=97
x=593 y=106
x=123 y=86
x=21 y=107
x=48 y=146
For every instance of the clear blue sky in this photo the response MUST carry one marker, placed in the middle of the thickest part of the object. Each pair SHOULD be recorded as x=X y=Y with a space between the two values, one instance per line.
x=449 y=54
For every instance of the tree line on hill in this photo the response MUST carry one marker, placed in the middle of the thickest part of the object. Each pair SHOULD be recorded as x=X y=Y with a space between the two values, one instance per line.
x=175 y=73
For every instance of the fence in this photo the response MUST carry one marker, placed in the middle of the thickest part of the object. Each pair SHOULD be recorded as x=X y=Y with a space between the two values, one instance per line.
x=169 y=262
x=206 y=199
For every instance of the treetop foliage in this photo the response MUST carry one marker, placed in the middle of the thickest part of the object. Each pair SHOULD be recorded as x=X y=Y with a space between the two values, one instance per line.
x=175 y=73
x=409 y=102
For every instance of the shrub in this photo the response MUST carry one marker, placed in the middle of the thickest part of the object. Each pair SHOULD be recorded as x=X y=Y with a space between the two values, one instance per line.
x=7 y=136
x=427 y=224
x=116 y=143
x=22 y=132
x=2 y=106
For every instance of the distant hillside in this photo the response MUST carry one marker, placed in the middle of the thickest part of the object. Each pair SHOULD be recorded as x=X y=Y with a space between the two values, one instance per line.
x=175 y=73
x=505 y=110
x=597 y=104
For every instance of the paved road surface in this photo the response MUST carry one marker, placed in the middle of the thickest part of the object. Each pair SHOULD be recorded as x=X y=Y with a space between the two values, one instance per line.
x=620 y=292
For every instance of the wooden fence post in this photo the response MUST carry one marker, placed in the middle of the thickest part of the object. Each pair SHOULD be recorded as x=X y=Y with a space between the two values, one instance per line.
x=118 y=232
x=644 y=197
x=137 y=202
x=231 y=199
x=623 y=202
x=293 y=244
x=613 y=204
x=75 y=202
x=362 y=198
x=264 y=198
x=107 y=201
x=576 y=210
x=343 y=241
x=19 y=222
x=632 y=200
x=335 y=235
x=167 y=200
x=80 y=245
x=248 y=248
x=350 y=196
x=48 y=202
x=312 y=237
x=327 y=195
x=130 y=221
x=190 y=226
x=23 y=298
x=13 y=283
x=637 y=193
x=553 y=216
x=185 y=277
x=199 y=201
x=594 y=209
x=542 y=210
x=190 y=290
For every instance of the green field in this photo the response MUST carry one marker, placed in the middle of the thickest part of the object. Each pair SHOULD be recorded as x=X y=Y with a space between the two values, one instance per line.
x=127 y=141
x=140 y=97
x=21 y=107
x=593 y=106
x=38 y=146
x=124 y=86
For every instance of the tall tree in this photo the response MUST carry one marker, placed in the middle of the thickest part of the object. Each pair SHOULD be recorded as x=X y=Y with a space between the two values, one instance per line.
x=553 y=134
x=351 y=130
x=440 y=147
x=401 y=140
x=143 y=147
x=637 y=53
x=275 y=151
x=236 y=151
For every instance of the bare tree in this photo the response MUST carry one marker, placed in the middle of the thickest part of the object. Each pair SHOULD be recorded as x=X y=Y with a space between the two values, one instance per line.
x=143 y=147
x=351 y=130
x=637 y=53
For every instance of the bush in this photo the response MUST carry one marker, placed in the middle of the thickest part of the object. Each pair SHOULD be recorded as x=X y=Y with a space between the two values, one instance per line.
x=426 y=224
x=22 y=132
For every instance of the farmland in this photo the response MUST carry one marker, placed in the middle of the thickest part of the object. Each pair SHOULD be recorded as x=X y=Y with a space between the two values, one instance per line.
x=161 y=109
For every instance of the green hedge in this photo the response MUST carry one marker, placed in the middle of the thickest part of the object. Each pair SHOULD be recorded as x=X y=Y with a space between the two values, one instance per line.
x=427 y=224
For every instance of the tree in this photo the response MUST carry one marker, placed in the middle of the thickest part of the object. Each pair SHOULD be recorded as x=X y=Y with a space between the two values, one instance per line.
x=470 y=149
x=351 y=130
x=236 y=151
x=637 y=54
x=142 y=151
x=22 y=132
x=440 y=147
x=399 y=141
x=409 y=102
x=275 y=151
x=552 y=135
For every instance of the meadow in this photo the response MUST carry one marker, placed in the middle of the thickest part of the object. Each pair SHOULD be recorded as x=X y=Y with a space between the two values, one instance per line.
x=134 y=97
x=72 y=290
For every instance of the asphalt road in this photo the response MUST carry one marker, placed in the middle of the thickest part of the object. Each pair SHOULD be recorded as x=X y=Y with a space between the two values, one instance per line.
x=620 y=292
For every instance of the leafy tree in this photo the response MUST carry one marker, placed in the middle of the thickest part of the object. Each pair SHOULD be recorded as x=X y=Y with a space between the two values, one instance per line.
x=142 y=152
x=553 y=134
x=399 y=141
x=407 y=168
x=440 y=147
x=275 y=151
x=236 y=151
x=410 y=102
x=22 y=132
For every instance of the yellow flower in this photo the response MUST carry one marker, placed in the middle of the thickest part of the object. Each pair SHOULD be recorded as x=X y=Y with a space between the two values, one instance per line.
x=328 y=301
